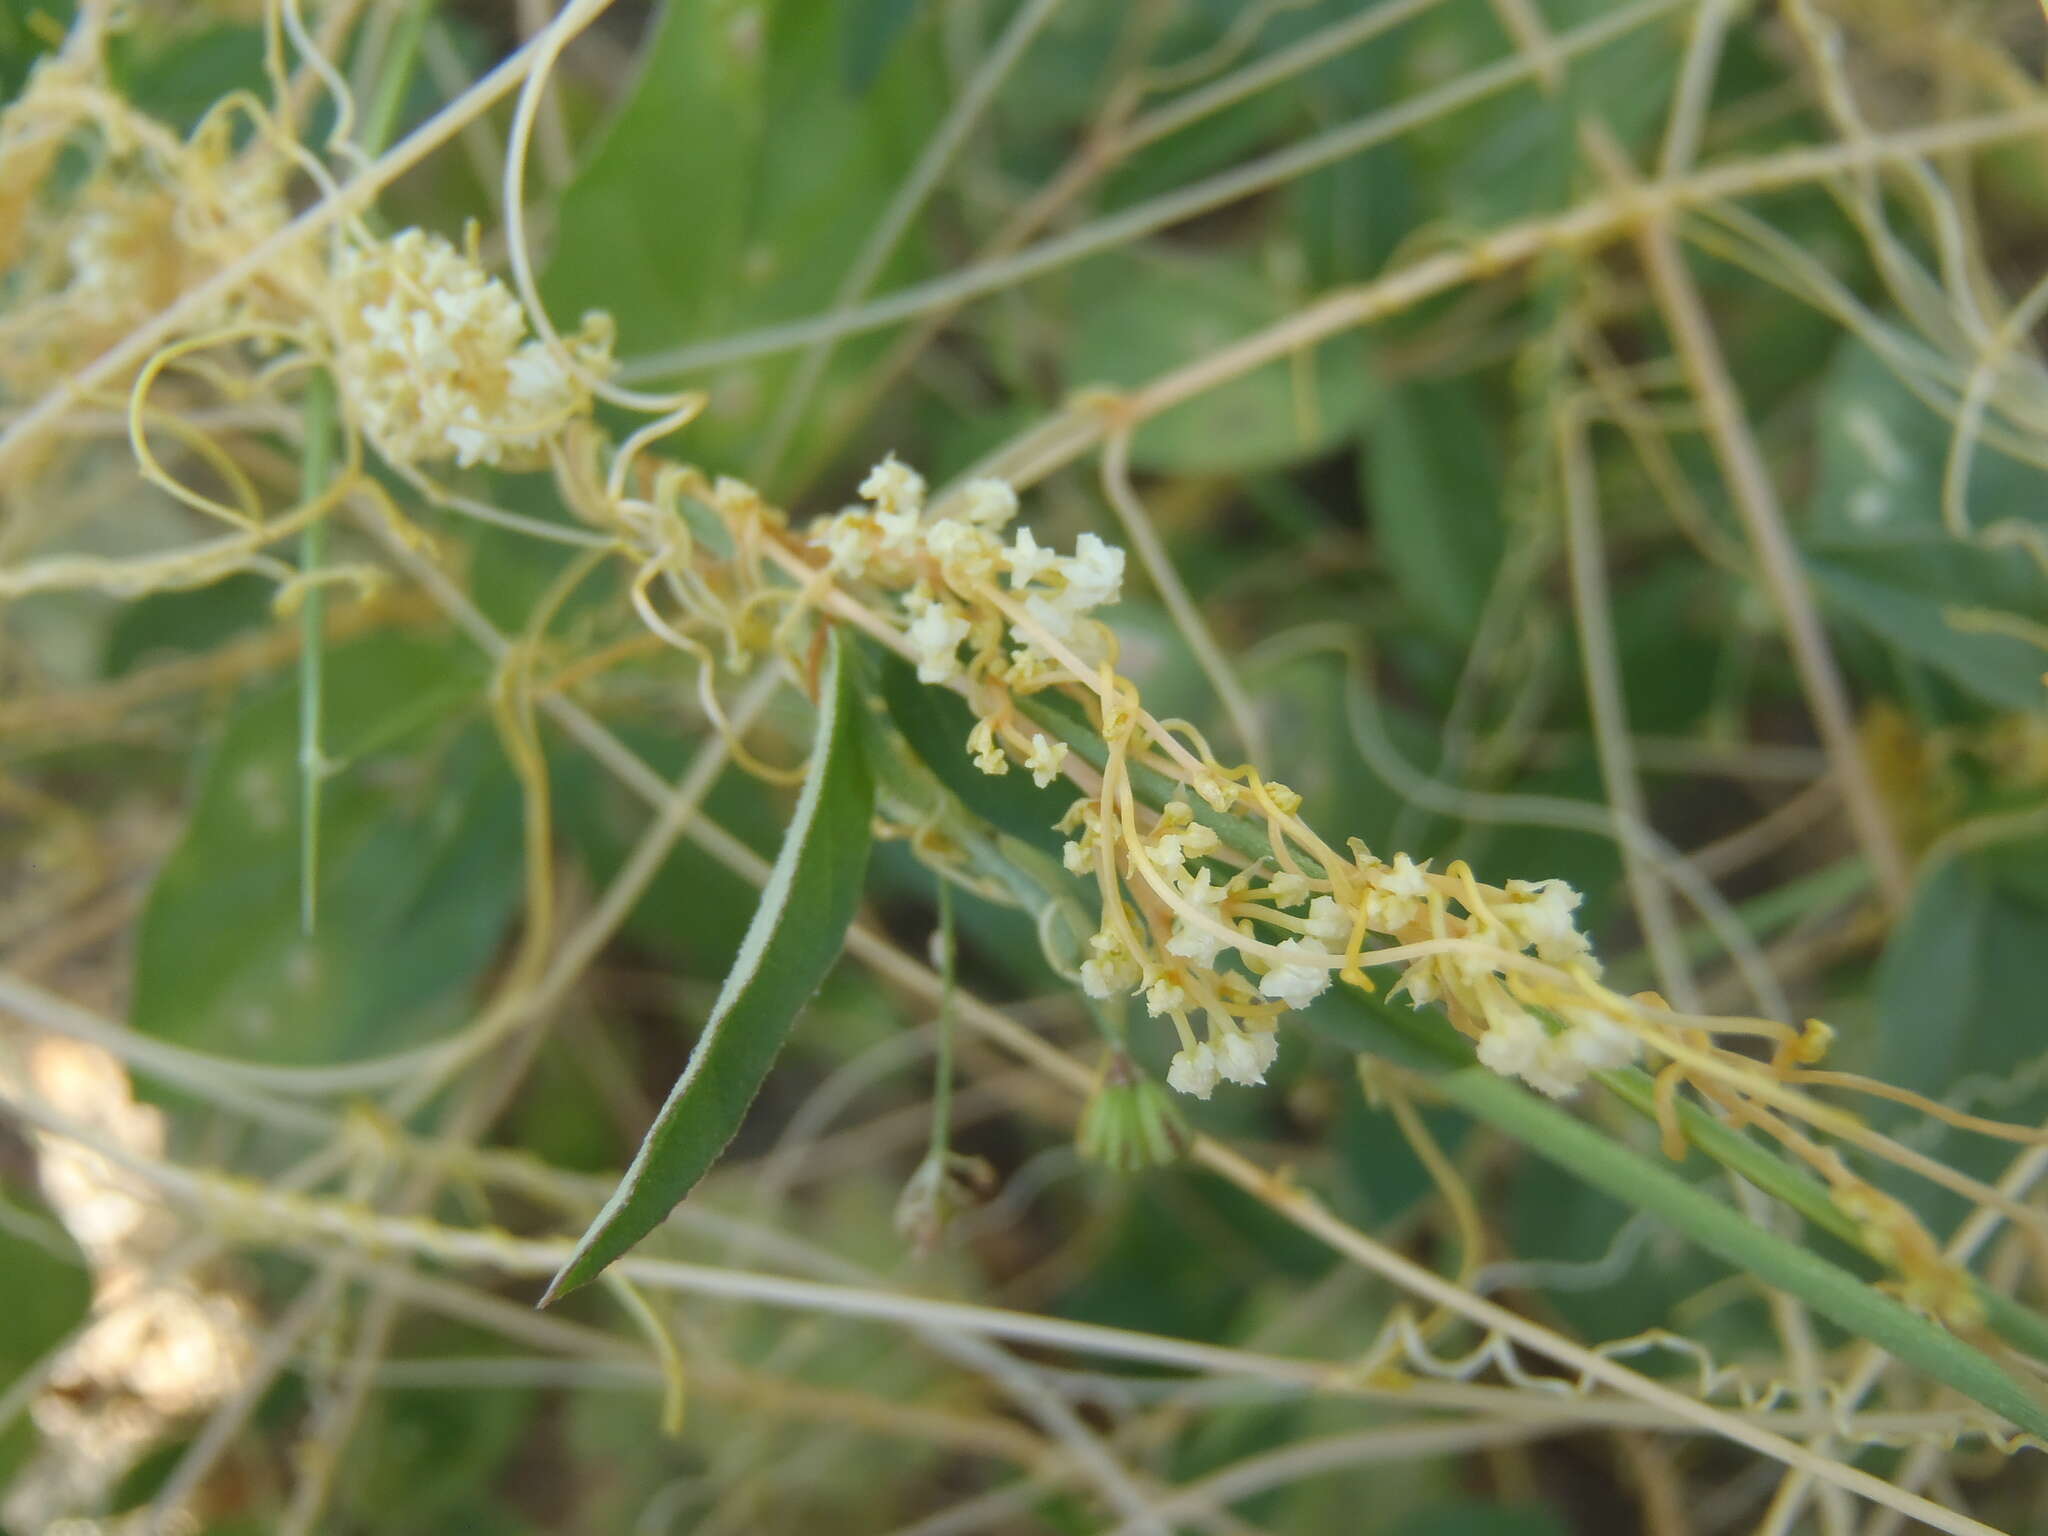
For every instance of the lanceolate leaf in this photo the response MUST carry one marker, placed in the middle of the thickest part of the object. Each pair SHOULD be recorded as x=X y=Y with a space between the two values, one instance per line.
x=796 y=934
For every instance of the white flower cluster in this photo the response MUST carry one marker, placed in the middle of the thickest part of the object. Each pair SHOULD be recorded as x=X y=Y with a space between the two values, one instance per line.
x=1012 y=616
x=1322 y=918
x=433 y=355
x=950 y=568
x=1533 y=917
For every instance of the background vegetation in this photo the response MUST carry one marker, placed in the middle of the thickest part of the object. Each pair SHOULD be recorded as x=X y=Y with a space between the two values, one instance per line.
x=1599 y=442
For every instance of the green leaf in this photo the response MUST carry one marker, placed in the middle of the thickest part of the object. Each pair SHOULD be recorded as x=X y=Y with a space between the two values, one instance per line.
x=1879 y=549
x=1959 y=986
x=419 y=872
x=1883 y=455
x=935 y=722
x=868 y=32
x=1432 y=477
x=1919 y=597
x=735 y=186
x=654 y=224
x=181 y=80
x=49 y=1292
x=163 y=624
x=1138 y=315
x=798 y=929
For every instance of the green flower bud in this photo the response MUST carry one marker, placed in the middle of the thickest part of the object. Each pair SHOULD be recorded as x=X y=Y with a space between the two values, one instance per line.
x=1132 y=1122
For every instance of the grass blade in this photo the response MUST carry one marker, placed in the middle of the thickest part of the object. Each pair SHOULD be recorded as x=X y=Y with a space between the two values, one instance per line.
x=1645 y=1184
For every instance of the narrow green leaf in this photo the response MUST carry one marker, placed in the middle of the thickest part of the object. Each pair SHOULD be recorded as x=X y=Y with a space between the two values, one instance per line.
x=795 y=936
x=1624 y=1173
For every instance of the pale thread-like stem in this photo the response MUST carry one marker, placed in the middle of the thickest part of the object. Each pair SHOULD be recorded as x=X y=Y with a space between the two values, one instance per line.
x=1609 y=710
x=1756 y=502
x=1194 y=629
x=933 y=161
x=192 y=306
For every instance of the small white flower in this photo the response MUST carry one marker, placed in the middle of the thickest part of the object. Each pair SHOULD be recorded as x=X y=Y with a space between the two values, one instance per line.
x=1243 y=1058
x=1110 y=970
x=1596 y=1042
x=1293 y=983
x=1397 y=895
x=1539 y=914
x=535 y=376
x=1193 y=1072
x=1165 y=995
x=936 y=635
x=1422 y=981
x=1056 y=619
x=1098 y=980
x=1328 y=923
x=1079 y=855
x=1045 y=759
x=898 y=530
x=988 y=754
x=1196 y=944
x=1028 y=559
x=1201 y=892
x=1407 y=878
x=1513 y=1042
x=1029 y=668
x=472 y=444
x=991 y=503
x=966 y=554
x=1095 y=573
x=894 y=486
x=1289 y=889
x=851 y=539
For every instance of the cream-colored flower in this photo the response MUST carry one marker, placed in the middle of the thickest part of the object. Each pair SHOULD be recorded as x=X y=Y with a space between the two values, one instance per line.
x=1165 y=995
x=1193 y=1072
x=990 y=503
x=935 y=635
x=1293 y=982
x=1244 y=1057
x=432 y=355
x=988 y=754
x=1044 y=760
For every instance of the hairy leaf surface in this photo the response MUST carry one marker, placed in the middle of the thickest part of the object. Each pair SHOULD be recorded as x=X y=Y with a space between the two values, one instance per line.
x=795 y=937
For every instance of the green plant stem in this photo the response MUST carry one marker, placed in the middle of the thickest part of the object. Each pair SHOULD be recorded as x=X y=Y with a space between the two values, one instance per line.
x=316 y=467
x=942 y=1064
x=1646 y=1184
